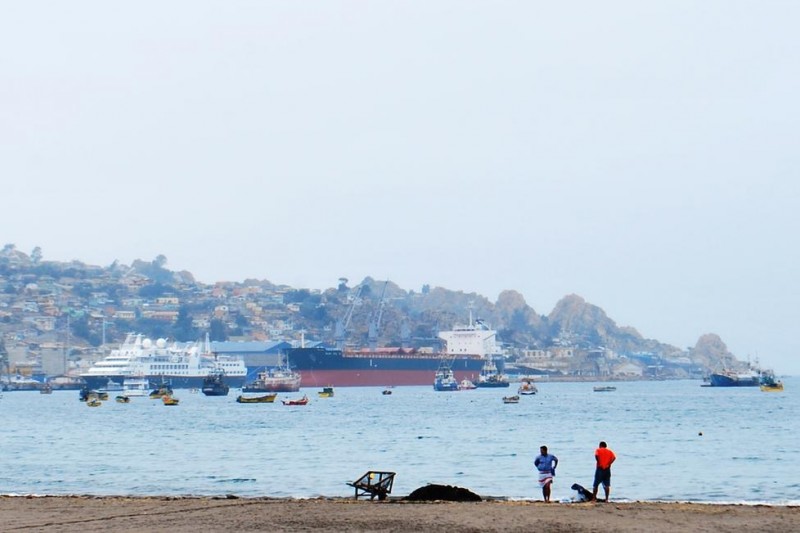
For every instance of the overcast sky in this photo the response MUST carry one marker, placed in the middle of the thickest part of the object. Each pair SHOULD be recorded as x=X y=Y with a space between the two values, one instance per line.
x=643 y=155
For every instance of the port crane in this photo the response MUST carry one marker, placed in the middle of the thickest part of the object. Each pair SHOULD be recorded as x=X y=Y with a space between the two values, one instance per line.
x=340 y=333
x=375 y=323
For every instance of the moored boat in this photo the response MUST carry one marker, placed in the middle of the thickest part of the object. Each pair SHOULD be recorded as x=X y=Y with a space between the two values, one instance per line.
x=161 y=391
x=511 y=399
x=136 y=387
x=730 y=378
x=94 y=402
x=444 y=380
x=170 y=400
x=266 y=398
x=279 y=379
x=466 y=385
x=295 y=401
x=122 y=399
x=491 y=377
x=326 y=392
x=769 y=383
x=527 y=387
x=604 y=388
x=214 y=384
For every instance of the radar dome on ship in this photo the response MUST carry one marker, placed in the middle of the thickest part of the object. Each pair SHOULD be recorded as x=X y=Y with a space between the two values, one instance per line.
x=147 y=343
x=161 y=343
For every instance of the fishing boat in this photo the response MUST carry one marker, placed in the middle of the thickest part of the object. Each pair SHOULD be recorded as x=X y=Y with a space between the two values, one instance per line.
x=386 y=392
x=751 y=377
x=169 y=400
x=122 y=399
x=214 y=384
x=277 y=379
x=46 y=389
x=444 y=380
x=511 y=399
x=183 y=365
x=94 y=402
x=266 y=398
x=604 y=388
x=326 y=392
x=295 y=401
x=769 y=383
x=527 y=387
x=491 y=377
x=162 y=391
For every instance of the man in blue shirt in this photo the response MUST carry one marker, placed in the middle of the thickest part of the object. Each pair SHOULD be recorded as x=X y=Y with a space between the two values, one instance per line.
x=546 y=464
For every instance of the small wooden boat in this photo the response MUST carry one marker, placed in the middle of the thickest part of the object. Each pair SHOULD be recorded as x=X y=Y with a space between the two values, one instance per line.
x=267 y=398
x=511 y=399
x=605 y=388
x=170 y=400
x=94 y=402
x=326 y=392
x=466 y=385
x=123 y=399
x=295 y=401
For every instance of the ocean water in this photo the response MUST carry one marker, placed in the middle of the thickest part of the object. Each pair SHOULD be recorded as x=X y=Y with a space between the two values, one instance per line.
x=674 y=440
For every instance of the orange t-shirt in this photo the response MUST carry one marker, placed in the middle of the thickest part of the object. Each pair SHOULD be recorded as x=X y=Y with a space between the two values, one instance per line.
x=604 y=457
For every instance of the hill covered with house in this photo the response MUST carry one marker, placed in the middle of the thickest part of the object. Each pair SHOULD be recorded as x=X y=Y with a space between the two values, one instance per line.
x=57 y=317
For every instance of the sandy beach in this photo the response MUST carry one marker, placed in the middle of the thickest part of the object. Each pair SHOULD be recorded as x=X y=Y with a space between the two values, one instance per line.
x=119 y=514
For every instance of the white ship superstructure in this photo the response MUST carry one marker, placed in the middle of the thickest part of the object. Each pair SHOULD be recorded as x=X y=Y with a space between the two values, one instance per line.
x=474 y=338
x=181 y=365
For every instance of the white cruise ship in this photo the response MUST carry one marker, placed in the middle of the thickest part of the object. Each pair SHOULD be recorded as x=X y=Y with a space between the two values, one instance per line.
x=181 y=365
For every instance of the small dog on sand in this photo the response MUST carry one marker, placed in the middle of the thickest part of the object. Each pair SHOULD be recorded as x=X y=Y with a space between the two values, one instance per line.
x=583 y=494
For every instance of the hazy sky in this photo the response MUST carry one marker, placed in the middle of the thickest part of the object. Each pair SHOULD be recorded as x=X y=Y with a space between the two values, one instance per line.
x=643 y=155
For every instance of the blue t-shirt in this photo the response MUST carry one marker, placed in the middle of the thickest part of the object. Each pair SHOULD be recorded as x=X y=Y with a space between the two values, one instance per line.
x=545 y=463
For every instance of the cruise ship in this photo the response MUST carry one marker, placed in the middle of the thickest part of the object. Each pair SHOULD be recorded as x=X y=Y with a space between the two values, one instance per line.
x=181 y=365
x=468 y=347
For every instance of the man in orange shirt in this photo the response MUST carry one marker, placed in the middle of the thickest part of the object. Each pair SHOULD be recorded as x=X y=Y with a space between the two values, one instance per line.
x=602 y=474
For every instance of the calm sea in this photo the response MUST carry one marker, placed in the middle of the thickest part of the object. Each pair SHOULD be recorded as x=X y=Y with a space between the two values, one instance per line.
x=674 y=440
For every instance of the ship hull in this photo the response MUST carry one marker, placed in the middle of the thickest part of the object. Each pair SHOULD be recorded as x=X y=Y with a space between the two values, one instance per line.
x=321 y=367
x=281 y=387
x=176 y=382
x=723 y=380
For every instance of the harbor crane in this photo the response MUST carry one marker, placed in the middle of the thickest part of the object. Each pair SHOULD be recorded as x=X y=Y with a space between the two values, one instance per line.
x=340 y=333
x=375 y=323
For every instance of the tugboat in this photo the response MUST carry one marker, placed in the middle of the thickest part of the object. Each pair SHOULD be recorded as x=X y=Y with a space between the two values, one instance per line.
x=491 y=377
x=214 y=385
x=444 y=379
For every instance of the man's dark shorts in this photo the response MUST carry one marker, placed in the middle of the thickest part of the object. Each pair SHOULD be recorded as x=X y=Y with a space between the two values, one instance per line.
x=602 y=475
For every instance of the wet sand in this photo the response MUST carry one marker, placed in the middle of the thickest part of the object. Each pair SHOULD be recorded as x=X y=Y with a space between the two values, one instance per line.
x=178 y=515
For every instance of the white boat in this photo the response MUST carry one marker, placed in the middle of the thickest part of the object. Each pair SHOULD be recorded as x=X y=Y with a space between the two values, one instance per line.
x=466 y=385
x=527 y=387
x=181 y=365
x=136 y=386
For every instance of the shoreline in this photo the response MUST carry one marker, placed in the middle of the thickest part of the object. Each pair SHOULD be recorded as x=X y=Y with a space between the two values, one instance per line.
x=180 y=514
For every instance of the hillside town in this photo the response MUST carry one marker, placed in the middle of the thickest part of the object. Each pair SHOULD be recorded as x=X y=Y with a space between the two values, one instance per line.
x=58 y=318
